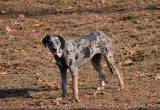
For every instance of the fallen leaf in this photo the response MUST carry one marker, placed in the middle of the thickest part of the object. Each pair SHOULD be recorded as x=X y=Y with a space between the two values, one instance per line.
x=57 y=86
x=56 y=102
x=19 y=49
x=68 y=8
x=127 y=62
x=8 y=29
x=37 y=25
x=11 y=37
x=3 y=73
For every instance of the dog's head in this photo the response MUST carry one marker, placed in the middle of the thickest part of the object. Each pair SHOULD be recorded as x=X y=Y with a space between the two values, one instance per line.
x=55 y=43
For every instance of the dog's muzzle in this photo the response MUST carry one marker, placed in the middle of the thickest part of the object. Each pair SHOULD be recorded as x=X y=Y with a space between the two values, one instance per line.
x=54 y=50
x=57 y=52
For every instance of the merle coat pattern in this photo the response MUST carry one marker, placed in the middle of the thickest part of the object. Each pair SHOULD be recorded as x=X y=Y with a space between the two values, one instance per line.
x=71 y=54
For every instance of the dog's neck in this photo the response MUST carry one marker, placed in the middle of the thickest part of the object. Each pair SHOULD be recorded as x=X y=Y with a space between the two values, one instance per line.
x=60 y=61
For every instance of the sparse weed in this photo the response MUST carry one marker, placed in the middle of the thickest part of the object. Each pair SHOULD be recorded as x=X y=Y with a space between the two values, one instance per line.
x=130 y=17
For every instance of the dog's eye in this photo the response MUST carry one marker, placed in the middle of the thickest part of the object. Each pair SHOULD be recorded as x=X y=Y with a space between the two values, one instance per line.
x=50 y=43
x=58 y=42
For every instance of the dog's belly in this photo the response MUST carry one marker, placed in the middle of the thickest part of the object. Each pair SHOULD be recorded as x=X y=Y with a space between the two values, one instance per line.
x=83 y=60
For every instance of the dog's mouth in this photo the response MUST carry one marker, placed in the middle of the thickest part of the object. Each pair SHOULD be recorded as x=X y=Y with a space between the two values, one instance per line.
x=57 y=52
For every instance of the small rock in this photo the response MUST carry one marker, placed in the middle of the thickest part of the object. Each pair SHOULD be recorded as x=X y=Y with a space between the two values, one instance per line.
x=21 y=16
x=137 y=21
x=127 y=62
x=4 y=12
x=147 y=20
x=157 y=77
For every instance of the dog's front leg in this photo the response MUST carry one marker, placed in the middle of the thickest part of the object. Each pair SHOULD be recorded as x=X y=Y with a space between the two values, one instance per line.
x=63 y=72
x=74 y=73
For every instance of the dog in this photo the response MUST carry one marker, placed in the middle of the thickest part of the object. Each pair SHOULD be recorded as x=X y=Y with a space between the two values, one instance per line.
x=72 y=54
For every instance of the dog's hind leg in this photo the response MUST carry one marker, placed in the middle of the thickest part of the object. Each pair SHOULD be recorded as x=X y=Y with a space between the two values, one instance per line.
x=112 y=66
x=96 y=61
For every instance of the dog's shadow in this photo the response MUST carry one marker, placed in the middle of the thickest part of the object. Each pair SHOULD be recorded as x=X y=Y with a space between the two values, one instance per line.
x=25 y=92
x=21 y=92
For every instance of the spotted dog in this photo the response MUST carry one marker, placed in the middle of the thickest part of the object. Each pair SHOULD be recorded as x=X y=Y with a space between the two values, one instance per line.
x=71 y=54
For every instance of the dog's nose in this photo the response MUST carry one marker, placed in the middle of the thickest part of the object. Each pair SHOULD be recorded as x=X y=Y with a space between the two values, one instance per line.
x=54 y=49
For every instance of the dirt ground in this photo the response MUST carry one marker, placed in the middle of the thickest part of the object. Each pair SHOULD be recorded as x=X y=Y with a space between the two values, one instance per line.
x=29 y=78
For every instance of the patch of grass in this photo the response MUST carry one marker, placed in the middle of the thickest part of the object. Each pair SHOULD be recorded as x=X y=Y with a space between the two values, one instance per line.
x=130 y=17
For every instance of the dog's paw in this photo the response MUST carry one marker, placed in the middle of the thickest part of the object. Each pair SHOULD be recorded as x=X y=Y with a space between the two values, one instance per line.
x=59 y=98
x=121 y=88
x=76 y=100
x=100 y=88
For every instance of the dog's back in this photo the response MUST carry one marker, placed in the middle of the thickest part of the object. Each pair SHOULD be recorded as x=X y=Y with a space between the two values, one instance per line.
x=95 y=36
x=88 y=45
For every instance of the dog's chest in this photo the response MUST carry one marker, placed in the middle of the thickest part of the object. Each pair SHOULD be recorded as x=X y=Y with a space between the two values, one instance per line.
x=61 y=62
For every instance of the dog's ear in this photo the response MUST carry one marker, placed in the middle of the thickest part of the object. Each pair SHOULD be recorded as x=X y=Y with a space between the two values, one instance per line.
x=45 y=40
x=62 y=40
